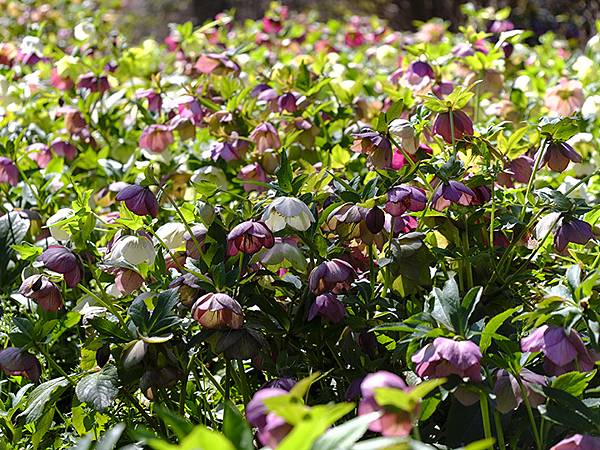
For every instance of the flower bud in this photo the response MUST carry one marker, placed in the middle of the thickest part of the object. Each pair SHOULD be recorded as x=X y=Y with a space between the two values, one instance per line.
x=139 y=200
x=45 y=293
x=61 y=260
x=14 y=361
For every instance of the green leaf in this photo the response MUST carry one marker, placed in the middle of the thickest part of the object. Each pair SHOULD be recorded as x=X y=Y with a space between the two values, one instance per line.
x=180 y=425
x=42 y=427
x=301 y=388
x=202 y=438
x=569 y=411
x=236 y=429
x=344 y=436
x=573 y=382
x=470 y=301
x=40 y=396
x=492 y=326
x=484 y=444
x=284 y=174
x=99 y=389
x=27 y=251
x=446 y=305
x=109 y=440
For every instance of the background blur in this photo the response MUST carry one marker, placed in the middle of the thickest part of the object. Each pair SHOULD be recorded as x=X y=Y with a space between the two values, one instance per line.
x=573 y=19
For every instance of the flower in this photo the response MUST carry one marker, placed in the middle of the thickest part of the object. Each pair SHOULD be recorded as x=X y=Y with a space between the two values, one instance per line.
x=271 y=428
x=253 y=172
x=64 y=149
x=331 y=276
x=449 y=357
x=518 y=169
x=566 y=98
x=451 y=192
x=134 y=250
x=328 y=307
x=564 y=351
x=14 y=361
x=40 y=153
x=265 y=136
x=139 y=200
x=508 y=392
x=60 y=232
x=191 y=243
x=404 y=132
x=215 y=311
x=376 y=146
x=283 y=250
x=558 y=155
x=172 y=234
x=418 y=76
x=463 y=126
x=154 y=99
x=216 y=63
x=287 y=102
x=405 y=198
x=578 y=442
x=249 y=237
x=93 y=83
x=43 y=291
x=8 y=171
x=572 y=230
x=156 y=138
x=74 y=121
x=392 y=422
x=287 y=211
x=61 y=260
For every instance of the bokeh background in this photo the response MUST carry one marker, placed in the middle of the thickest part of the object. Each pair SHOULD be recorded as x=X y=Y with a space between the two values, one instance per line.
x=574 y=19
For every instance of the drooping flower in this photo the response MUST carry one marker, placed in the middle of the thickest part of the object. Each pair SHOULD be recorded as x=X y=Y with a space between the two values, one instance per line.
x=43 y=291
x=451 y=192
x=404 y=132
x=194 y=245
x=128 y=281
x=508 y=392
x=331 y=276
x=566 y=98
x=558 y=155
x=391 y=422
x=216 y=63
x=578 y=442
x=154 y=99
x=572 y=230
x=156 y=137
x=564 y=351
x=463 y=125
x=419 y=76
x=74 y=121
x=139 y=200
x=60 y=232
x=405 y=198
x=134 y=250
x=172 y=234
x=253 y=172
x=376 y=146
x=216 y=310
x=265 y=136
x=284 y=249
x=61 y=260
x=327 y=306
x=518 y=169
x=249 y=237
x=272 y=429
x=8 y=171
x=446 y=357
x=64 y=149
x=14 y=361
x=287 y=102
x=40 y=153
x=93 y=83
x=287 y=211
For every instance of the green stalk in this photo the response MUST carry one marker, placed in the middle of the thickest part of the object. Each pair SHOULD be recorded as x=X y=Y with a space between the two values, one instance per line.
x=485 y=415
x=536 y=167
x=534 y=429
x=499 y=431
x=451 y=114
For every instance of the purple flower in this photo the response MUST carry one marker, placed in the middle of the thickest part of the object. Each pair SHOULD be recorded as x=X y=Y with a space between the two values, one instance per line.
x=449 y=357
x=43 y=291
x=199 y=232
x=223 y=150
x=483 y=194
x=216 y=310
x=405 y=198
x=271 y=428
x=376 y=146
x=508 y=392
x=331 y=276
x=392 y=422
x=61 y=260
x=249 y=237
x=463 y=126
x=451 y=192
x=40 y=153
x=156 y=138
x=285 y=383
x=265 y=136
x=374 y=220
x=253 y=172
x=189 y=108
x=274 y=431
x=153 y=97
x=8 y=171
x=139 y=200
x=287 y=102
x=578 y=442
x=64 y=149
x=572 y=230
x=518 y=169
x=558 y=155
x=14 y=361
x=442 y=89
x=564 y=352
x=328 y=307
x=93 y=83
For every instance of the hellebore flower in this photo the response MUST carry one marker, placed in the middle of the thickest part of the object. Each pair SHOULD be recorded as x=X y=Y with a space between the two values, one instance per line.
x=189 y=108
x=271 y=428
x=58 y=232
x=191 y=248
x=405 y=198
x=451 y=192
x=43 y=291
x=74 y=121
x=287 y=211
x=215 y=63
x=285 y=383
x=14 y=361
x=578 y=442
x=376 y=146
x=127 y=281
x=249 y=237
x=93 y=83
x=253 y=172
x=8 y=171
x=463 y=126
x=225 y=151
x=564 y=352
x=558 y=155
x=331 y=276
x=265 y=136
x=508 y=392
x=418 y=75
x=518 y=169
x=287 y=102
x=172 y=234
x=40 y=153
x=134 y=250
x=566 y=98
x=404 y=132
x=139 y=200
x=61 y=260
x=391 y=422
x=154 y=99
x=283 y=250
x=449 y=357
x=156 y=138
x=215 y=311
x=572 y=230
x=328 y=307
x=64 y=149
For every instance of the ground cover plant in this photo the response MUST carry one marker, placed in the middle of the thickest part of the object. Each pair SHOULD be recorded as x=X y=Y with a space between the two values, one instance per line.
x=297 y=235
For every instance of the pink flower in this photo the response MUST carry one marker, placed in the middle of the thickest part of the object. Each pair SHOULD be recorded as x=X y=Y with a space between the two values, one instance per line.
x=64 y=149
x=566 y=98
x=216 y=63
x=265 y=136
x=156 y=138
x=43 y=291
x=253 y=172
x=405 y=198
x=449 y=357
x=249 y=237
x=451 y=192
x=40 y=153
x=128 y=281
x=463 y=125
x=331 y=276
x=578 y=442
x=8 y=171
x=215 y=311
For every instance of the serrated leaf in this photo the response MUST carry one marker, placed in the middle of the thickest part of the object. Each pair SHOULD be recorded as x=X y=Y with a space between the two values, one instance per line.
x=40 y=396
x=99 y=389
x=573 y=382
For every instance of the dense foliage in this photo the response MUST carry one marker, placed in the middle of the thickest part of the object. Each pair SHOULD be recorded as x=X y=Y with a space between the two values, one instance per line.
x=297 y=235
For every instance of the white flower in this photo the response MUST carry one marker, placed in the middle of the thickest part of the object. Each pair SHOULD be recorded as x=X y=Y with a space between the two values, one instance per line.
x=404 y=133
x=134 y=250
x=591 y=107
x=583 y=66
x=60 y=232
x=172 y=234
x=546 y=225
x=287 y=211
x=386 y=54
x=281 y=252
x=84 y=31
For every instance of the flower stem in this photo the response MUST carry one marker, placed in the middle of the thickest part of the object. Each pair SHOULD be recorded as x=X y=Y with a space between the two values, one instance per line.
x=534 y=429
x=485 y=415
x=536 y=167
x=499 y=431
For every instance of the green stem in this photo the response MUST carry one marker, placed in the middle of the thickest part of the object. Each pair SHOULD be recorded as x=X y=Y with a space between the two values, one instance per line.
x=499 y=431
x=53 y=363
x=536 y=167
x=107 y=304
x=485 y=415
x=534 y=429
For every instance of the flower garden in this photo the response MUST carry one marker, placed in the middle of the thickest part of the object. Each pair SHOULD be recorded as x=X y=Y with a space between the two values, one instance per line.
x=297 y=234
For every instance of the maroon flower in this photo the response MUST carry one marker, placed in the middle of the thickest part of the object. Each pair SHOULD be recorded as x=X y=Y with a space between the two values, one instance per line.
x=402 y=224
x=376 y=146
x=331 y=276
x=463 y=126
x=8 y=171
x=249 y=237
x=287 y=102
x=61 y=260
x=139 y=200
x=578 y=442
x=451 y=192
x=328 y=307
x=265 y=136
x=192 y=243
x=519 y=169
x=405 y=198
x=558 y=155
x=156 y=138
x=154 y=99
x=449 y=357
x=508 y=392
x=14 y=361
x=271 y=428
x=74 y=121
x=215 y=311
x=564 y=352
x=442 y=89
x=43 y=291
x=64 y=149
x=374 y=220
x=93 y=82
x=572 y=230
